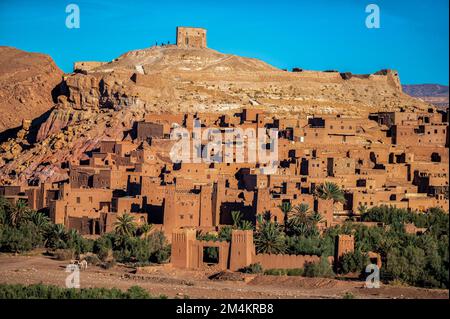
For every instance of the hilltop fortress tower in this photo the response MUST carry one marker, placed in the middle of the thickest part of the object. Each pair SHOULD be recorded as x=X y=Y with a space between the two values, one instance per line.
x=191 y=37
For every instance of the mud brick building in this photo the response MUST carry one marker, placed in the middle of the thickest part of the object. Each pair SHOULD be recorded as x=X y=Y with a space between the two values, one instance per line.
x=389 y=158
x=191 y=37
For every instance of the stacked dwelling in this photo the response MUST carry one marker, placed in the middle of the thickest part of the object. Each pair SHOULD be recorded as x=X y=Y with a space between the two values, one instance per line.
x=391 y=158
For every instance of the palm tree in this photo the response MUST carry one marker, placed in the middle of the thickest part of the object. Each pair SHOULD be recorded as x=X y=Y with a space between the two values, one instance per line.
x=125 y=225
x=5 y=207
x=299 y=213
x=56 y=236
x=246 y=225
x=236 y=216
x=362 y=209
x=72 y=233
x=315 y=217
x=144 y=229
x=18 y=213
x=286 y=208
x=270 y=239
x=259 y=219
x=267 y=216
x=329 y=190
x=302 y=229
x=41 y=221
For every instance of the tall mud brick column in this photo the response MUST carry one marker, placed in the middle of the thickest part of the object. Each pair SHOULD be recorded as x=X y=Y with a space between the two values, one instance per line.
x=242 y=249
x=345 y=244
x=181 y=247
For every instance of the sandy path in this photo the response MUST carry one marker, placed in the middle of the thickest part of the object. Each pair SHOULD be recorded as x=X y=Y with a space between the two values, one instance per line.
x=195 y=284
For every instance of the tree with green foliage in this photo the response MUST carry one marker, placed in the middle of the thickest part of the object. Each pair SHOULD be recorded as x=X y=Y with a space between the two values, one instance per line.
x=302 y=222
x=286 y=208
x=330 y=190
x=319 y=269
x=18 y=213
x=56 y=237
x=40 y=291
x=246 y=225
x=299 y=214
x=125 y=225
x=144 y=229
x=269 y=239
x=24 y=237
x=41 y=221
x=352 y=262
x=225 y=233
x=236 y=216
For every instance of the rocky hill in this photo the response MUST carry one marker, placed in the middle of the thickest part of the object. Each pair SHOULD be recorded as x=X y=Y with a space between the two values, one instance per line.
x=101 y=101
x=26 y=84
x=432 y=93
x=201 y=80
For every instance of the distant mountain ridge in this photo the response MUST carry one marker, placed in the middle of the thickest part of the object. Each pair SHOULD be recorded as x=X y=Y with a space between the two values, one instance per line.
x=425 y=89
x=436 y=94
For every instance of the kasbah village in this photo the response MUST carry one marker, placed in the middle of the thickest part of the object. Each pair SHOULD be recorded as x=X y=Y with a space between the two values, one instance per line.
x=345 y=144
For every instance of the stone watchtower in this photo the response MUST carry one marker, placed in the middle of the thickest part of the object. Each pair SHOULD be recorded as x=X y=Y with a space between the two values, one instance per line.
x=191 y=37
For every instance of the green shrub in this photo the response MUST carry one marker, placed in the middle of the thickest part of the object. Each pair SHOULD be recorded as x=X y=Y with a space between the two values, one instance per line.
x=284 y=272
x=159 y=247
x=137 y=292
x=64 y=254
x=295 y=272
x=102 y=247
x=93 y=260
x=348 y=295
x=275 y=272
x=252 y=269
x=53 y=292
x=353 y=262
x=22 y=238
x=300 y=245
x=318 y=269
x=79 y=244
x=154 y=248
x=108 y=264
x=225 y=233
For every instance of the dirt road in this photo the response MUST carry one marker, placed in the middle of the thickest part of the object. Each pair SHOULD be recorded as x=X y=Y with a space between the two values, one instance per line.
x=195 y=284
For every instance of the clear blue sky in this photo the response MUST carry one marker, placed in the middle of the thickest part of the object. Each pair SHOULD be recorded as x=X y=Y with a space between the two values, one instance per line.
x=316 y=35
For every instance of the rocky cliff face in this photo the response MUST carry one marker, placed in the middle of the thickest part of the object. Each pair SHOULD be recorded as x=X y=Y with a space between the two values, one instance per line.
x=102 y=100
x=26 y=84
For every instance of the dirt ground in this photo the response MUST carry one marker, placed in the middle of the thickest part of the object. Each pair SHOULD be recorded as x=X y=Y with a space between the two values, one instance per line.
x=37 y=268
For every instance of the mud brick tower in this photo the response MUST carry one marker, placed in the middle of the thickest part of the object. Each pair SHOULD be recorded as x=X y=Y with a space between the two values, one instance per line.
x=191 y=37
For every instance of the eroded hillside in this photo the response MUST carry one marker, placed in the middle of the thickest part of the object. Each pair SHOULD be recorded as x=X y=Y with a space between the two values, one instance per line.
x=26 y=84
x=101 y=101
